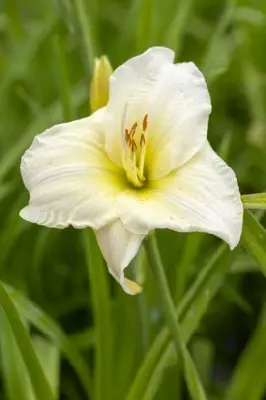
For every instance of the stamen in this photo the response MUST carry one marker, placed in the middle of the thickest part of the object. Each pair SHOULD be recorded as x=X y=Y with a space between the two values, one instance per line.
x=145 y=123
x=133 y=146
x=142 y=157
x=133 y=130
x=142 y=140
x=127 y=138
x=134 y=154
x=123 y=126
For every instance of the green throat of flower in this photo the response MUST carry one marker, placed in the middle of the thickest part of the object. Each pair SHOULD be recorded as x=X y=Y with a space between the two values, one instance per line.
x=135 y=143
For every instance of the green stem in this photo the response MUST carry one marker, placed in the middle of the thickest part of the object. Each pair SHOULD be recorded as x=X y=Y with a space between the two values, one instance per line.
x=86 y=30
x=193 y=382
x=101 y=309
x=167 y=303
x=38 y=379
x=62 y=73
x=139 y=266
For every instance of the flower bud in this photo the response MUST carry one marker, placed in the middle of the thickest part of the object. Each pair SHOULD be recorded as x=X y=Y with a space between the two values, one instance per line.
x=99 y=90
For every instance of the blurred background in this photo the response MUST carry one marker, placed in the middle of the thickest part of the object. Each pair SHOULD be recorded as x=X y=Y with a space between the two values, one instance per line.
x=92 y=340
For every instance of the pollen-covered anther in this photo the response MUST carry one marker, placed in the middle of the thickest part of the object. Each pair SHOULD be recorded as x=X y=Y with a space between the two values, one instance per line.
x=129 y=135
x=145 y=123
x=133 y=129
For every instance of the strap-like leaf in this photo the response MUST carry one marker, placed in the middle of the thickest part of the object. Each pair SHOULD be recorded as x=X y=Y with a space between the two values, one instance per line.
x=254 y=240
x=255 y=201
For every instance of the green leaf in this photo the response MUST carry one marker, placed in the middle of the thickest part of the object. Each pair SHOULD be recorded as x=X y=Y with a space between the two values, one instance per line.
x=254 y=239
x=143 y=29
x=254 y=201
x=178 y=25
x=16 y=378
x=168 y=356
x=49 y=357
x=102 y=316
x=62 y=72
x=203 y=353
x=190 y=311
x=189 y=251
x=86 y=30
x=6 y=189
x=232 y=294
x=214 y=63
x=193 y=382
x=39 y=382
x=249 y=379
x=48 y=117
x=47 y=326
x=17 y=381
x=250 y=15
x=27 y=51
x=83 y=340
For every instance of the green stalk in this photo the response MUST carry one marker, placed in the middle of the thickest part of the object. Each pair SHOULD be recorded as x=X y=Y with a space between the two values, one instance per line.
x=193 y=382
x=64 y=84
x=86 y=30
x=255 y=201
x=38 y=379
x=103 y=330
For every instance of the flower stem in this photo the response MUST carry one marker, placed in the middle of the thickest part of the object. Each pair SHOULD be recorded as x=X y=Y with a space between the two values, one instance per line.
x=193 y=382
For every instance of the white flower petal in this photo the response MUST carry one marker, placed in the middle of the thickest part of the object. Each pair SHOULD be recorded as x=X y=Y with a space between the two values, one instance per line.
x=179 y=119
x=119 y=247
x=70 y=179
x=131 y=87
x=202 y=196
x=175 y=98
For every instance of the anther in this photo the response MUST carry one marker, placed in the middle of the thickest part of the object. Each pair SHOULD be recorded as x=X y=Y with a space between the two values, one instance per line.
x=127 y=137
x=145 y=123
x=133 y=129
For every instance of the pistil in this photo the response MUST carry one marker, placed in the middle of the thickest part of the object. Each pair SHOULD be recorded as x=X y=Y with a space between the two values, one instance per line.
x=143 y=148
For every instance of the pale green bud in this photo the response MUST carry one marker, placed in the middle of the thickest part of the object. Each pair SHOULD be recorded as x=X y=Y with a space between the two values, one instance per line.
x=99 y=90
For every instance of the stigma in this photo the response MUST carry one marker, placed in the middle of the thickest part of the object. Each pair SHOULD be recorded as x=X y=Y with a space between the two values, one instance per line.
x=135 y=142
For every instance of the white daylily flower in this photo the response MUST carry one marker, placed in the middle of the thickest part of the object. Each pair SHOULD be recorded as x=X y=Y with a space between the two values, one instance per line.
x=142 y=162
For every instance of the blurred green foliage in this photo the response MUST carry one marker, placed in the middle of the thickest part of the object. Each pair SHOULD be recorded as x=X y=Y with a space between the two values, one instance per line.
x=92 y=340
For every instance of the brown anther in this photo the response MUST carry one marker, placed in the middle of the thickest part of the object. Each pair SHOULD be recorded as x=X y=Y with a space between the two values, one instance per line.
x=127 y=136
x=133 y=146
x=145 y=123
x=142 y=141
x=133 y=129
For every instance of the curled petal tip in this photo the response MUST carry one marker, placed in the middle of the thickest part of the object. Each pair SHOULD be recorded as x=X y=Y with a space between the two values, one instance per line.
x=132 y=287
